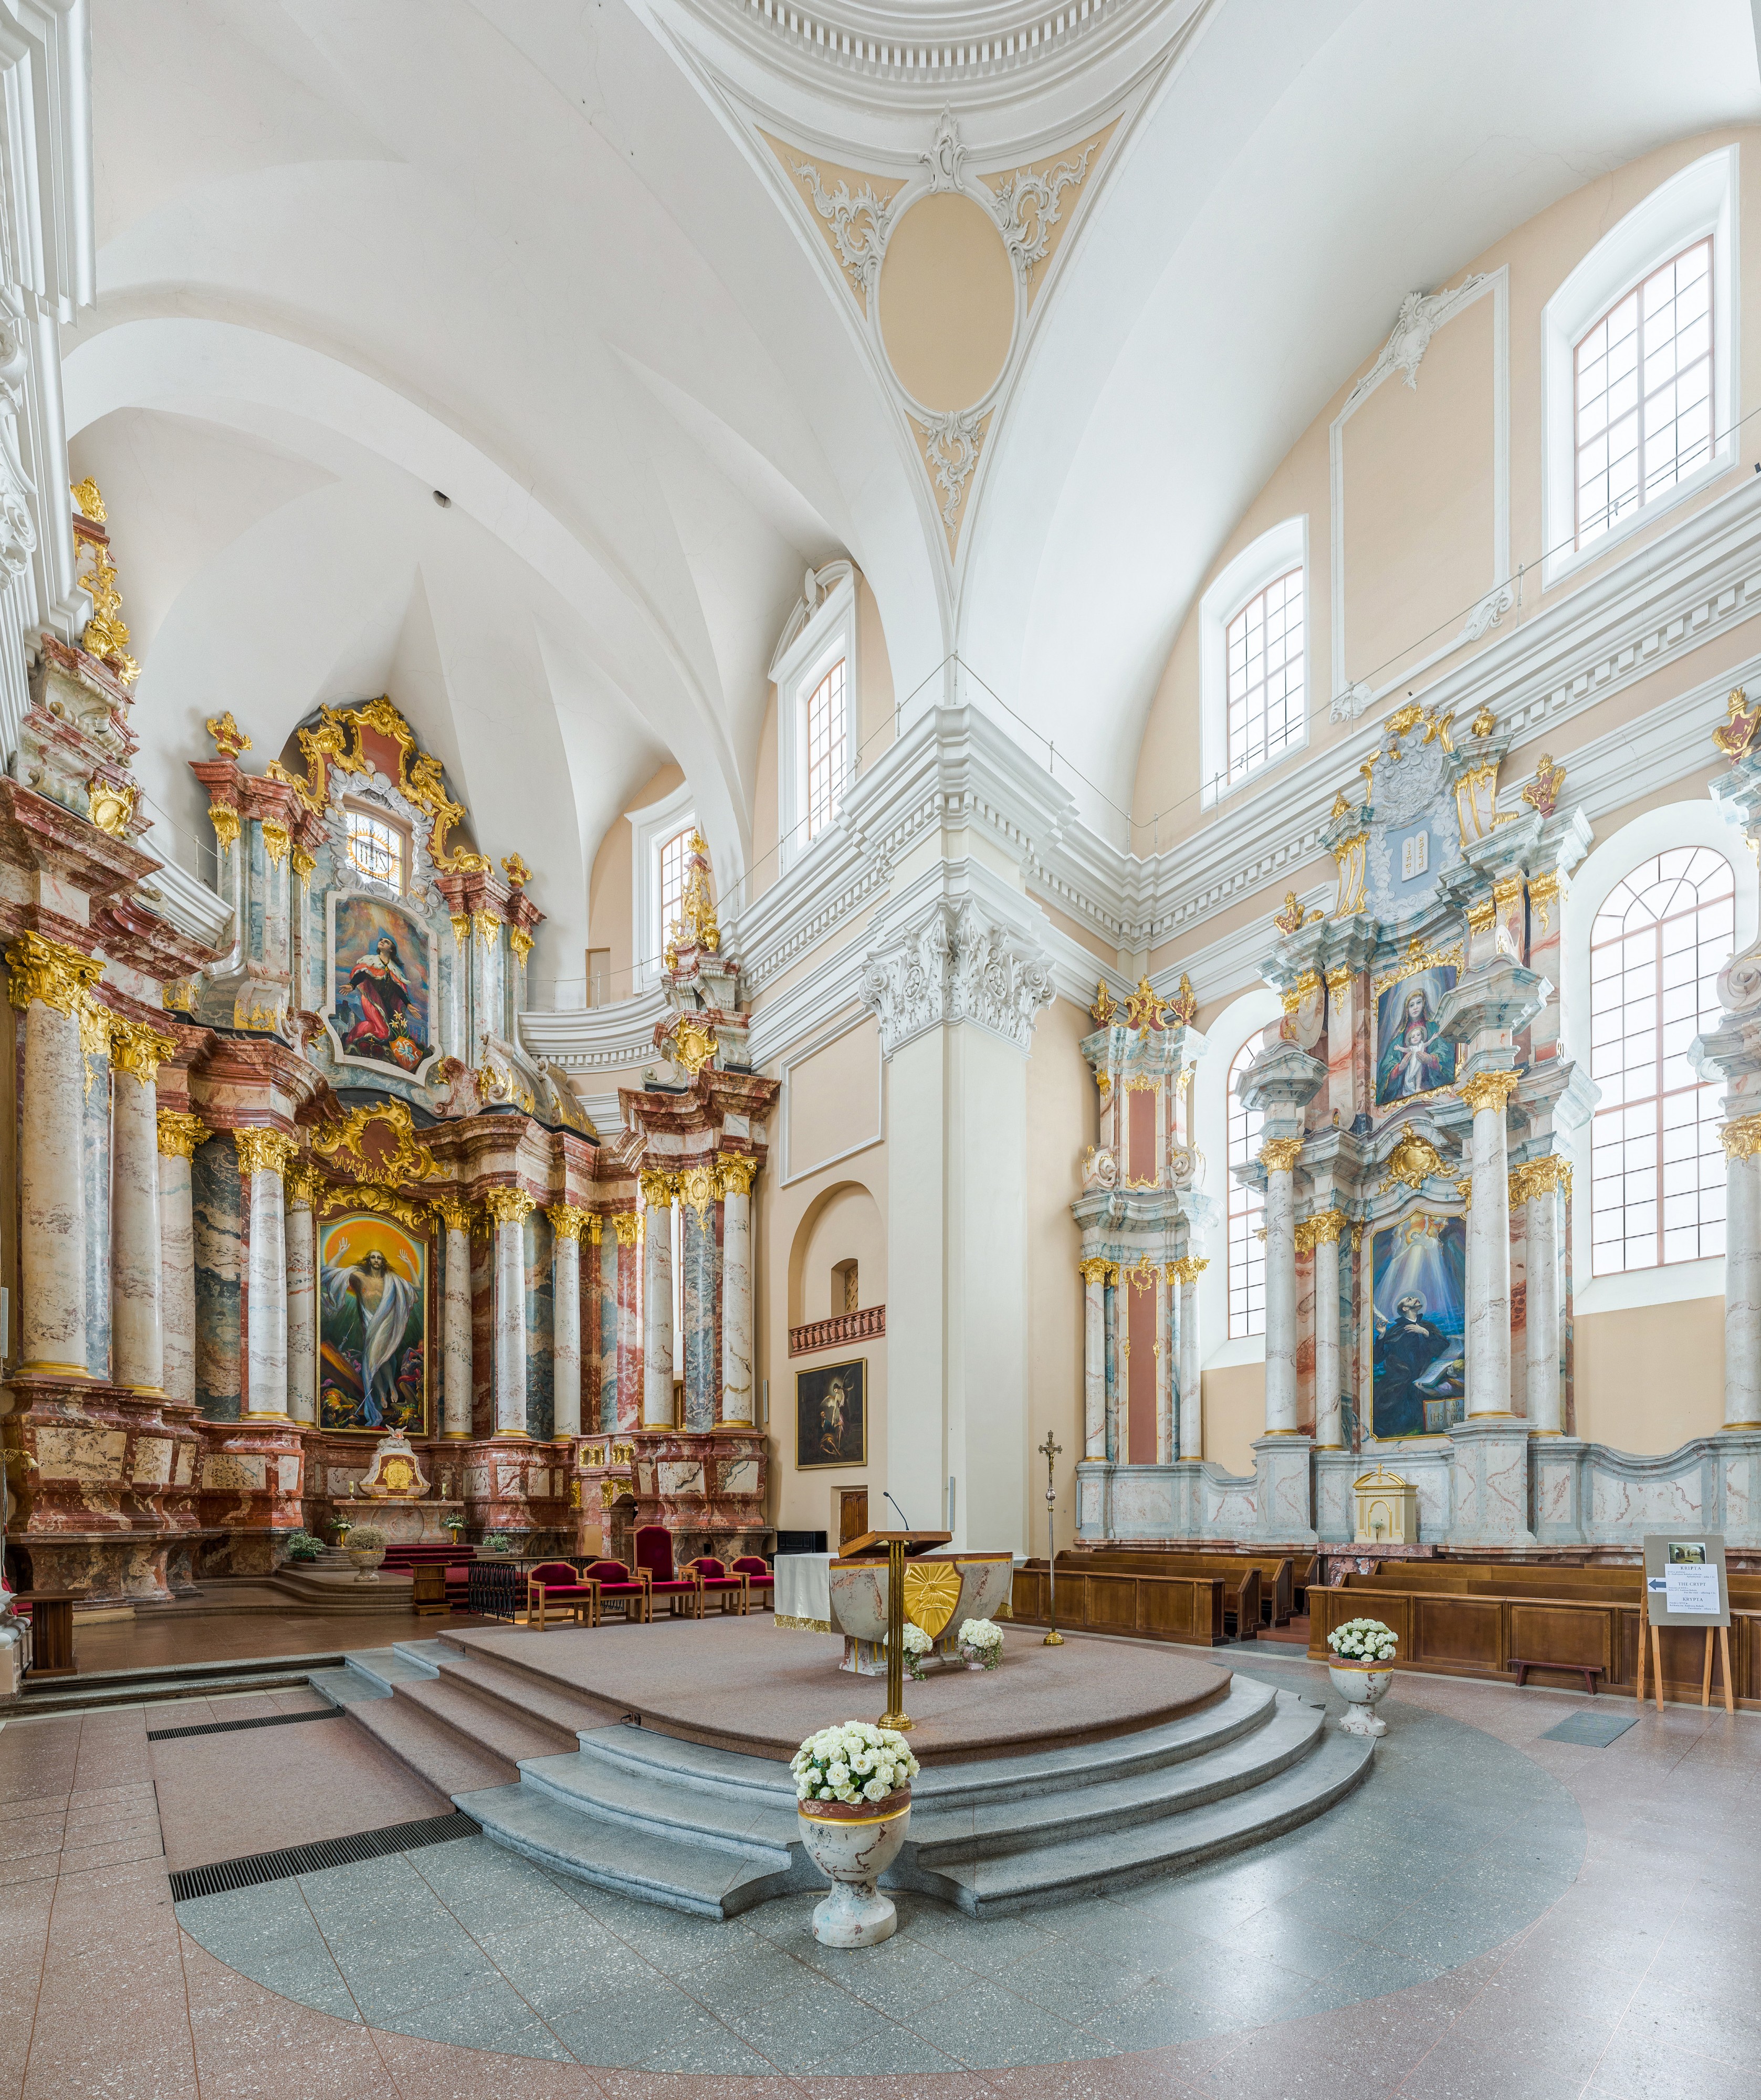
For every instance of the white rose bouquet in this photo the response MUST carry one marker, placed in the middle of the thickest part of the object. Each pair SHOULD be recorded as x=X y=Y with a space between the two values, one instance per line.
x=916 y=1644
x=981 y=1640
x=1363 y=1640
x=853 y=1763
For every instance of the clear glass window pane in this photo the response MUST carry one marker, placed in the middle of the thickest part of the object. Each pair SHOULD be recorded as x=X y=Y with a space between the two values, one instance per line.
x=1266 y=697
x=1247 y=1210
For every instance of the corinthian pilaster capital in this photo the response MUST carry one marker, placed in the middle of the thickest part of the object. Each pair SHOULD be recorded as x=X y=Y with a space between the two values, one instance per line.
x=180 y=1133
x=51 y=972
x=263 y=1151
x=509 y=1206
x=953 y=961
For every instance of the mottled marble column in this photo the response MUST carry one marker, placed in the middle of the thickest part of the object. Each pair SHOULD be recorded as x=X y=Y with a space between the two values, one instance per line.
x=1742 y=1273
x=508 y=1210
x=1110 y=1337
x=567 y=1221
x=261 y=1156
x=624 y=1342
x=137 y=1266
x=97 y=1024
x=1541 y=1182
x=1279 y=1156
x=455 y=1217
x=1167 y=1368
x=658 y=1190
x=1191 y=1362
x=736 y=1172
x=1489 y=1283
x=1094 y=1272
x=301 y=1187
x=1324 y=1237
x=48 y=986
x=697 y=1252
x=179 y=1134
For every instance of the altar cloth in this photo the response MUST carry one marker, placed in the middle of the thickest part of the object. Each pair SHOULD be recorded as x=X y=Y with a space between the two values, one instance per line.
x=802 y=1600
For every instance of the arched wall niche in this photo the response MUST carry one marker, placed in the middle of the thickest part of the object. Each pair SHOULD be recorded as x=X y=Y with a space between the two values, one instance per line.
x=843 y=1224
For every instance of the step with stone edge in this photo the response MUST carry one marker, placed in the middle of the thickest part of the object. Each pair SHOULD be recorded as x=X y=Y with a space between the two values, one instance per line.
x=450 y=1763
x=562 y=1716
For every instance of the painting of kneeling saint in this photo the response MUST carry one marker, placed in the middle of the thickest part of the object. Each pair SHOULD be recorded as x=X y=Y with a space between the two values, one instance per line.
x=1419 y=1271
x=831 y=1415
x=372 y=1327
x=380 y=987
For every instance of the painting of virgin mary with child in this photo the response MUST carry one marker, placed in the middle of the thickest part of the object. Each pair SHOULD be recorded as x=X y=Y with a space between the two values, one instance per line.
x=1412 y=1055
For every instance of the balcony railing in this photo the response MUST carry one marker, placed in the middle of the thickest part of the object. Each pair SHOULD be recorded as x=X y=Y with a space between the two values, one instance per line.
x=839 y=1332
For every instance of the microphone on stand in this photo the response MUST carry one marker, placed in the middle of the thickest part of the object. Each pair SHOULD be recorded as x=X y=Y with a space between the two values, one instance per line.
x=902 y=1518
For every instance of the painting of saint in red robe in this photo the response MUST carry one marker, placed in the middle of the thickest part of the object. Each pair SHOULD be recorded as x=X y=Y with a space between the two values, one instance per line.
x=381 y=983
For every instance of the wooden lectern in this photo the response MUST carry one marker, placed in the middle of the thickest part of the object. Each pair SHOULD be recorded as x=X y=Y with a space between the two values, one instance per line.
x=898 y=1546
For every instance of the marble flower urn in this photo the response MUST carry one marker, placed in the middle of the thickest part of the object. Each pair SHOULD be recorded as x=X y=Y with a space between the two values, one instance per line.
x=853 y=1844
x=1362 y=1686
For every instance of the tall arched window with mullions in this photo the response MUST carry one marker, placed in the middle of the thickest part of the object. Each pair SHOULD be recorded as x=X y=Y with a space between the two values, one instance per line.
x=1657 y=1162
x=1247 y=1208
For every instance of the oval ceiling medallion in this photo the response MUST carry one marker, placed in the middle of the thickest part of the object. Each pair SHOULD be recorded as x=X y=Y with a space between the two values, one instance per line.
x=948 y=301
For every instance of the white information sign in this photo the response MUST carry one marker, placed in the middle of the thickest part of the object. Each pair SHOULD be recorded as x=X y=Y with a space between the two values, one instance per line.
x=1692 y=1589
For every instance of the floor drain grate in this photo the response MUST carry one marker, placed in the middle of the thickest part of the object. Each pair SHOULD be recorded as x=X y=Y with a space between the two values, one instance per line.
x=228 y=1727
x=257 y=1868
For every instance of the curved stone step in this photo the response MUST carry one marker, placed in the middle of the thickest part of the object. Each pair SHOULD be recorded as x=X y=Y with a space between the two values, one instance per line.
x=560 y=1714
x=1097 y=1865
x=451 y=1763
x=677 y=1871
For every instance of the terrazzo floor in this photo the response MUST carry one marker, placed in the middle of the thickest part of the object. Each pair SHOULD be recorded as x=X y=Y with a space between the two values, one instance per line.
x=1495 y=1913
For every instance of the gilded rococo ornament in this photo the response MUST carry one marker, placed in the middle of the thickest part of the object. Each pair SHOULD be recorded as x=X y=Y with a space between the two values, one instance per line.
x=1543 y=793
x=1734 y=735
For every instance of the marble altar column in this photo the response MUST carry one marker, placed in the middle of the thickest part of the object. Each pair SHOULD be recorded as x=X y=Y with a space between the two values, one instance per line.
x=179 y=1134
x=567 y=1221
x=1094 y=1272
x=48 y=985
x=658 y=1189
x=1324 y=1237
x=624 y=1341
x=1489 y=1278
x=1279 y=1156
x=137 y=1267
x=1167 y=1369
x=454 y=1214
x=1540 y=1185
x=1742 y=1273
x=1191 y=1362
x=736 y=1170
x=697 y=1295
x=509 y=1209
x=263 y=1154
x=300 y=1185
x=1113 y=1361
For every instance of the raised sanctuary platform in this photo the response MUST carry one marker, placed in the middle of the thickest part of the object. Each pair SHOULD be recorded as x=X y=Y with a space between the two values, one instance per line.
x=1065 y=1772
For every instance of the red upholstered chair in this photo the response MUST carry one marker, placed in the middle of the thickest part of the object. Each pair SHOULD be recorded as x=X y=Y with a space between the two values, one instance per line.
x=760 y=1581
x=715 y=1578
x=610 y=1579
x=654 y=1559
x=553 y=1585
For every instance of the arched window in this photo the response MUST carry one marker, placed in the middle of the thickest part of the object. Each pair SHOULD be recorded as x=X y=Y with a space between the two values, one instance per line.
x=674 y=853
x=1265 y=641
x=1246 y=1209
x=1657 y=1164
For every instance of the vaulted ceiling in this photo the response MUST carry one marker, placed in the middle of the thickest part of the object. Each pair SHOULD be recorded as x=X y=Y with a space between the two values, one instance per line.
x=534 y=256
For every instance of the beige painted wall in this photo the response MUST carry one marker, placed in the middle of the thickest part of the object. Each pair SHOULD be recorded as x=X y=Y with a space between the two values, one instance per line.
x=1415 y=508
x=1651 y=1379
x=832 y=1100
x=1234 y=1414
x=611 y=893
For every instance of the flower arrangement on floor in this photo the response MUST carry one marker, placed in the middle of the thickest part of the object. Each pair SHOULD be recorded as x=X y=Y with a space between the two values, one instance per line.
x=981 y=1644
x=916 y=1644
x=1362 y=1640
x=855 y=1762
x=302 y=1546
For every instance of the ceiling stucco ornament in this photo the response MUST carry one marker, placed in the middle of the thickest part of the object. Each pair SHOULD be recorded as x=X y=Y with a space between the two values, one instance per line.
x=1421 y=314
x=1027 y=209
x=858 y=225
x=945 y=160
x=951 y=451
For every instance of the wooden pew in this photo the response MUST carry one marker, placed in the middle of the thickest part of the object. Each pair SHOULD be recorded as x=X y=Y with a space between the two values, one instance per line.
x=1155 y=1606
x=1272 y=1604
x=1468 y=1619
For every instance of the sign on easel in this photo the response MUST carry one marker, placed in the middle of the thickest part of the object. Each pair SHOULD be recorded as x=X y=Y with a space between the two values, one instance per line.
x=1685 y=1586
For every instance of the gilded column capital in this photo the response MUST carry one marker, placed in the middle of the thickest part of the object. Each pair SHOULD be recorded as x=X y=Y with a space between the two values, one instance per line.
x=1323 y=1229
x=1742 y=1138
x=262 y=1151
x=277 y=839
x=509 y=1206
x=225 y=820
x=697 y=1187
x=627 y=1224
x=460 y=922
x=1338 y=981
x=51 y=972
x=488 y=925
x=1278 y=1155
x=520 y=941
x=1094 y=1269
x=566 y=1220
x=658 y=1188
x=1542 y=1177
x=453 y=1212
x=1480 y=914
x=304 y=863
x=735 y=1172
x=97 y=1029
x=137 y=1047
x=180 y=1133
x=1490 y=1090
x=302 y=1181
x=595 y=1224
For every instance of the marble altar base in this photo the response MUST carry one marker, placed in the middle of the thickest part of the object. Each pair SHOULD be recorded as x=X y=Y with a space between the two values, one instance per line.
x=404 y=1524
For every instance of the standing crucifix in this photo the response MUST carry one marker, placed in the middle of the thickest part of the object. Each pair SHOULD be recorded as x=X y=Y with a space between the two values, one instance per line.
x=1049 y=1451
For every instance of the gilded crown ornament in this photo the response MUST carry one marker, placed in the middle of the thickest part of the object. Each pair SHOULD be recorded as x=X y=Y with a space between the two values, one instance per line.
x=1543 y=793
x=1734 y=735
x=1144 y=1009
x=90 y=502
x=1292 y=919
x=106 y=634
x=695 y=926
x=516 y=871
x=1102 y=1011
x=1184 y=1006
x=229 y=740
x=1414 y=1160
